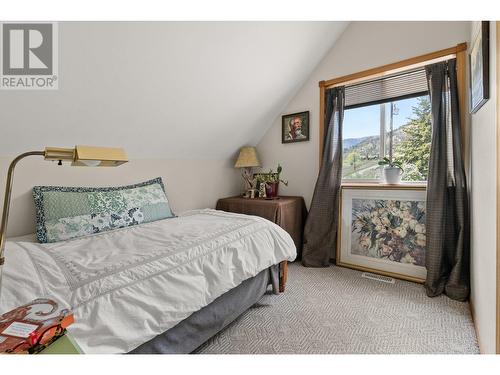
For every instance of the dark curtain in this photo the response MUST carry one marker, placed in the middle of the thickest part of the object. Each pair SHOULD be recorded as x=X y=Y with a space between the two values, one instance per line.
x=320 y=231
x=447 y=216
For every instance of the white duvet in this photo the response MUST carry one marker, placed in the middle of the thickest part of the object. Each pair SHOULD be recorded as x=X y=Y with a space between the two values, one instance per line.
x=129 y=285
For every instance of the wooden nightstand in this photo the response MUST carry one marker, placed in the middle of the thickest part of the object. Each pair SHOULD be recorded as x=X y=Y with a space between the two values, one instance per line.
x=288 y=212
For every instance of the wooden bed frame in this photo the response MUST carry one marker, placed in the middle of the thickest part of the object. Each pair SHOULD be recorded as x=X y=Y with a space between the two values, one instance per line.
x=283 y=275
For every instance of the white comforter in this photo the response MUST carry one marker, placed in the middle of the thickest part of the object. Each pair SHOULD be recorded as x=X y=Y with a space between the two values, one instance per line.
x=129 y=285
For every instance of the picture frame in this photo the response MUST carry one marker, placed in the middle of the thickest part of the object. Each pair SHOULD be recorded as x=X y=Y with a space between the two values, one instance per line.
x=479 y=66
x=382 y=230
x=295 y=127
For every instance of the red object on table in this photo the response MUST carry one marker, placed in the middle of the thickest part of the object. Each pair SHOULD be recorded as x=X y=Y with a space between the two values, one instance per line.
x=272 y=189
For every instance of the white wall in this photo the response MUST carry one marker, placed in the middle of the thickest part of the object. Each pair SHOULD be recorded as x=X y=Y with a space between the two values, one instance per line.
x=184 y=95
x=363 y=45
x=173 y=90
x=189 y=184
x=483 y=197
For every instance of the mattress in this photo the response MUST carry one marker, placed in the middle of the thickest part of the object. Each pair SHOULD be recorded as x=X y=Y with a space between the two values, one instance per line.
x=132 y=284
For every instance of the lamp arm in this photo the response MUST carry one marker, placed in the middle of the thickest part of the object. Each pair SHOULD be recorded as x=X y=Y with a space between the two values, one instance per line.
x=6 y=202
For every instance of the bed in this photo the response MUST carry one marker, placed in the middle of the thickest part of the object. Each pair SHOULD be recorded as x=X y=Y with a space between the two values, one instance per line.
x=159 y=287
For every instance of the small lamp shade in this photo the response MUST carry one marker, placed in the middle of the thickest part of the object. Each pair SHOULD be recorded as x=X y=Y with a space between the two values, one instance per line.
x=89 y=156
x=247 y=158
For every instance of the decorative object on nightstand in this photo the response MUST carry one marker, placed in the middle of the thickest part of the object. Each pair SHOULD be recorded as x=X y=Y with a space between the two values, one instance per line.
x=271 y=181
x=288 y=212
x=262 y=191
x=248 y=159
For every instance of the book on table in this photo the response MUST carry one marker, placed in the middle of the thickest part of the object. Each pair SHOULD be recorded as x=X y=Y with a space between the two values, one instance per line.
x=34 y=326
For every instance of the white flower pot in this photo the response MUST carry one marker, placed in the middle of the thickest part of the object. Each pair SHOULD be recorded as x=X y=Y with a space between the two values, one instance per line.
x=392 y=175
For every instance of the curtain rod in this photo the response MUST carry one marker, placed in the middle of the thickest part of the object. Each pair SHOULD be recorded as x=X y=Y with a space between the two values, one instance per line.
x=396 y=67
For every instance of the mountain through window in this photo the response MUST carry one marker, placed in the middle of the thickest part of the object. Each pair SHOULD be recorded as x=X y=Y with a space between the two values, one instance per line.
x=400 y=129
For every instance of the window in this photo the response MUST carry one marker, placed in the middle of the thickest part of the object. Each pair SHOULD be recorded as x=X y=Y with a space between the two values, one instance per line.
x=397 y=128
x=398 y=90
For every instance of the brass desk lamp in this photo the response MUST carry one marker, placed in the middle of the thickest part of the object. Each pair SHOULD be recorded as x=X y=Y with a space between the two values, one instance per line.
x=78 y=156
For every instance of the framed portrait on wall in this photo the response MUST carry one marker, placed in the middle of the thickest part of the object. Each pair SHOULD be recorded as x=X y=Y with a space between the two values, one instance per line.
x=295 y=127
x=382 y=230
x=479 y=65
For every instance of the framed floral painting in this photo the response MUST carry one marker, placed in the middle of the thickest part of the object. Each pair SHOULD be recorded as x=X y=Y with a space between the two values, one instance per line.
x=383 y=231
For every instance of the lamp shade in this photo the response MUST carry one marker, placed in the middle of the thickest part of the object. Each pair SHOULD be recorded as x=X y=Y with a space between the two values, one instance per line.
x=247 y=158
x=99 y=156
x=89 y=156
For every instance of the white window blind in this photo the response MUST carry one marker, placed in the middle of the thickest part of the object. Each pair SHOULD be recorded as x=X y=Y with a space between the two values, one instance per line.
x=402 y=85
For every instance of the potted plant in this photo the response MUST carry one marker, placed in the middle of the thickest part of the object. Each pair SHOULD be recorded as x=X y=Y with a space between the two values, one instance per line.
x=392 y=170
x=271 y=180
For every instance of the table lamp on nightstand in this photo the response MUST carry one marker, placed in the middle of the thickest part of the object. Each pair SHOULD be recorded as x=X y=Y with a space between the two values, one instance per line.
x=247 y=159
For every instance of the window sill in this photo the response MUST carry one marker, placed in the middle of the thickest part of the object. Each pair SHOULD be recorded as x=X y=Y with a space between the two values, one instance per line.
x=379 y=185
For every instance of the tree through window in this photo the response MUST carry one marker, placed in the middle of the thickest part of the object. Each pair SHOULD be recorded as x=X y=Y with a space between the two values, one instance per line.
x=400 y=129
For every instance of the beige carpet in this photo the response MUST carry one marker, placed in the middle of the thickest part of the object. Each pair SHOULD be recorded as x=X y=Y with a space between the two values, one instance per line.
x=335 y=310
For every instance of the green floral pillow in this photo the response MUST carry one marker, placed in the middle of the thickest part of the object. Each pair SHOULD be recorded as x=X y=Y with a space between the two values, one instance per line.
x=69 y=212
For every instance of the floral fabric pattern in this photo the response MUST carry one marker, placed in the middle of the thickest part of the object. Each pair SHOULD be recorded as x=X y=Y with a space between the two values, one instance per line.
x=144 y=195
x=68 y=227
x=108 y=221
x=69 y=212
x=106 y=201
x=389 y=229
x=85 y=225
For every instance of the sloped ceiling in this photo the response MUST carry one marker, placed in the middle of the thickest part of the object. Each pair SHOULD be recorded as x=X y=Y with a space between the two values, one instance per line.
x=182 y=90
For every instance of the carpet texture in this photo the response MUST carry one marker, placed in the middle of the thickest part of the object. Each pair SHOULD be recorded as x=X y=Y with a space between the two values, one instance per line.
x=335 y=310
